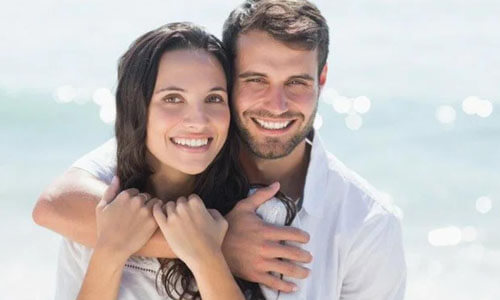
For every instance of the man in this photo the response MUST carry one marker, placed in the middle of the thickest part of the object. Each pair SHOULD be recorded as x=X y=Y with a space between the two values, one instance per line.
x=351 y=245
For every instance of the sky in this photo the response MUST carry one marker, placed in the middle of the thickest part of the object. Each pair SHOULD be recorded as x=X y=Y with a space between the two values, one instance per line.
x=441 y=51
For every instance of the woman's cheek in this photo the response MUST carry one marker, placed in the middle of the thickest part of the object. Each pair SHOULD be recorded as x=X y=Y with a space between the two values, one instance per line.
x=221 y=117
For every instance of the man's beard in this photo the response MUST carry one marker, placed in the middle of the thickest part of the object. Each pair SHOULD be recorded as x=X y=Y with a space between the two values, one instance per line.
x=273 y=148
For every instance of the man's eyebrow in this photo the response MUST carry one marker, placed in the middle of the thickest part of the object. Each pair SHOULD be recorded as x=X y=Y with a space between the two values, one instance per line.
x=170 y=88
x=251 y=74
x=303 y=77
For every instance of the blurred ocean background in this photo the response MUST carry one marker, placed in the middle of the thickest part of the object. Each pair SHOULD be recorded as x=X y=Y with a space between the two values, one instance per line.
x=412 y=104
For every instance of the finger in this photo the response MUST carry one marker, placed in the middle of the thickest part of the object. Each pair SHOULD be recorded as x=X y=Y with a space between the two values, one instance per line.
x=287 y=268
x=181 y=206
x=181 y=200
x=195 y=200
x=158 y=213
x=144 y=197
x=285 y=233
x=148 y=197
x=262 y=195
x=127 y=194
x=275 y=283
x=110 y=192
x=215 y=214
x=289 y=252
x=170 y=208
x=151 y=202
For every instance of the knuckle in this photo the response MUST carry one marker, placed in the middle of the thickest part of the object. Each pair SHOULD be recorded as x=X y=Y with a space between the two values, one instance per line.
x=131 y=192
x=266 y=247
x=144 y=211
x=224 y=225
x=260 y=265
x=306 y=236
x=136 y=201
x=194 y=200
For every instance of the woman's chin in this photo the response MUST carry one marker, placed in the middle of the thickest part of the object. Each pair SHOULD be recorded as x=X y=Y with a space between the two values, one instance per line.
x=194 y=169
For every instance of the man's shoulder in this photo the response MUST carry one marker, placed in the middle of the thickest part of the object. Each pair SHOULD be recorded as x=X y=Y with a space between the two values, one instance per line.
x=100 y=162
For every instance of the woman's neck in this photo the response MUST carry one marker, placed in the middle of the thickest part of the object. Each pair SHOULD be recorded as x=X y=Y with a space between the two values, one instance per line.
x=167 y=187
x=167 y=183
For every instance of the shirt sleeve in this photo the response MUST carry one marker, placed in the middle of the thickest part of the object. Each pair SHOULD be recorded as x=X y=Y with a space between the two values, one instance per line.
x=100 y=162
x=376 y=267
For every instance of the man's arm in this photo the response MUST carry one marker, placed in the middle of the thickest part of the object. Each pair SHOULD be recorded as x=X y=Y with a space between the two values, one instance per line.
x=252 y=248
x=68 y=205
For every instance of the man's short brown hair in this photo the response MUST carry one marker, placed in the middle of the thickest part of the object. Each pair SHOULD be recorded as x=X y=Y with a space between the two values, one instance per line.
x=298 y=23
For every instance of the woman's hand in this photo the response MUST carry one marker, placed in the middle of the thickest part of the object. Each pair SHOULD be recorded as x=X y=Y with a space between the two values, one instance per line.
x=194 y=232
x=124 y=222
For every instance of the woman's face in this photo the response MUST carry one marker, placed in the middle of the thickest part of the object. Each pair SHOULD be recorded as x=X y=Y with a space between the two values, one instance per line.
x=188 y=116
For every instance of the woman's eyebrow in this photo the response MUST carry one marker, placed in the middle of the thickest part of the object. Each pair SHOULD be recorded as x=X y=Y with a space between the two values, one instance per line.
x=170 y=88
x=218 y=89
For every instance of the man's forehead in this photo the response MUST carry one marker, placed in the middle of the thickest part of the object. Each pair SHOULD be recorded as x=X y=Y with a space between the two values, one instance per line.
x=257 y=48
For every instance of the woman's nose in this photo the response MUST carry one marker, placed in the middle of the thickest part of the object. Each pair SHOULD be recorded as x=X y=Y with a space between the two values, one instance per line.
x=195 y=117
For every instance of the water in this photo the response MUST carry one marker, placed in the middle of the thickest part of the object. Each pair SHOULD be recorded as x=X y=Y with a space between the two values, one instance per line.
x=432 y=172
x=408 y=57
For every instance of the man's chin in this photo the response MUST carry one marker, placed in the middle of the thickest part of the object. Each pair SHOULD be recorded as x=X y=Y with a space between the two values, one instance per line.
x=271 y=149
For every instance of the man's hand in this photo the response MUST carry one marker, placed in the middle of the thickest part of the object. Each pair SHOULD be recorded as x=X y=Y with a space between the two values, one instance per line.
x=252 y=247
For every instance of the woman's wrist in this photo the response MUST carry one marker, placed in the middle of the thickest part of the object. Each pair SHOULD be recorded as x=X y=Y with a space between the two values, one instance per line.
x=110 y=255
x=214 y=279
x=207 y=261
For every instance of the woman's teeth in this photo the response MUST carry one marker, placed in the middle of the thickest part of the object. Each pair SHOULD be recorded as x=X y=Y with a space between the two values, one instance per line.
x=195 y=143
x=272 y=125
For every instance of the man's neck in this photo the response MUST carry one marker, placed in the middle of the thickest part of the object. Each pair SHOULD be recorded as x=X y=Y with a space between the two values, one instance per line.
x=290 y=170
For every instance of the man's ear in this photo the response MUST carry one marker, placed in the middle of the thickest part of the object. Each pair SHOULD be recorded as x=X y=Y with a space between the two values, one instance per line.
x=322 y=76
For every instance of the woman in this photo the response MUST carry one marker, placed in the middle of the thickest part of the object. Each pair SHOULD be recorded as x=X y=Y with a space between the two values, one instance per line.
x=174 y=138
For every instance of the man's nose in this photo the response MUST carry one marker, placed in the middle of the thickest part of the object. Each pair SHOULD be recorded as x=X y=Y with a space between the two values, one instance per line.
x=277 y=102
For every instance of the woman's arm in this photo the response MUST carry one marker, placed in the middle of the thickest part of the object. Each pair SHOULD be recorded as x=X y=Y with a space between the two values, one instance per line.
x=124 y=224
x=68 y=207
x=103 y=277
x=214 y=279
x=195 y=234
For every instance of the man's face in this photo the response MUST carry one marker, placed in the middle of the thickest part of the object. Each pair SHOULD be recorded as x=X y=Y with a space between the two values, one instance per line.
x=275 y=93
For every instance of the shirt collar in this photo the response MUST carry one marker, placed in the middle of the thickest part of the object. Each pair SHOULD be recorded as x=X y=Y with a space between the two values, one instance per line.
x=316 y=177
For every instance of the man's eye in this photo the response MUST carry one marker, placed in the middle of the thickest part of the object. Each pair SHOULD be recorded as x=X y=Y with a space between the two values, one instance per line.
x=255 y=80
x=172 y=99
x=215 y=99
x=296 y=82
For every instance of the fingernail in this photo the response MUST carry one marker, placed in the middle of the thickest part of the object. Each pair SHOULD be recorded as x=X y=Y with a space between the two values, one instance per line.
x=295 y=288
x=275 y=184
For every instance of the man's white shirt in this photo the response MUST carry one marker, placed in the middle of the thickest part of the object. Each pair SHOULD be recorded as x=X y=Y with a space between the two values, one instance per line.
x=355 y=240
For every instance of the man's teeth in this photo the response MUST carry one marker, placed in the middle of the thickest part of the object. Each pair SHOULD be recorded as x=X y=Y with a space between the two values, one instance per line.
x=191 y=142
x=273 y=125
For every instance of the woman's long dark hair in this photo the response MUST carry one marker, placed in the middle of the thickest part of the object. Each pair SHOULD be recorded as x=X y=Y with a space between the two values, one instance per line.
x=221 y=185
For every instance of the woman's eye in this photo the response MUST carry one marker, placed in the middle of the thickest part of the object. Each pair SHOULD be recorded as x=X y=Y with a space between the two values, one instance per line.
x=215 y=99
x=172 y=99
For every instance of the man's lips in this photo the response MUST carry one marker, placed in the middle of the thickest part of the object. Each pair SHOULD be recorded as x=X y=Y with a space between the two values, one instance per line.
x=274 y=126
